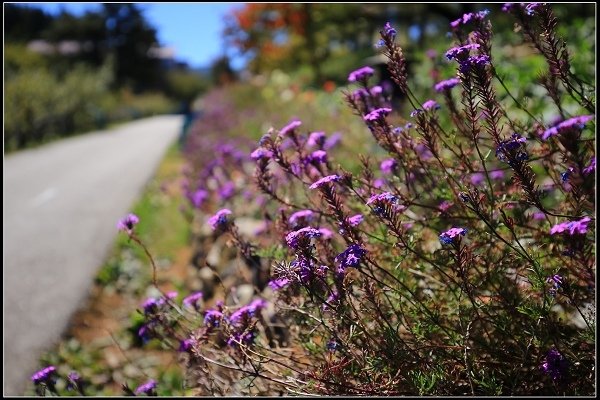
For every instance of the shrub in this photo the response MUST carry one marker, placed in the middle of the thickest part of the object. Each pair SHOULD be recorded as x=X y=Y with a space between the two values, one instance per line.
x=460 y=263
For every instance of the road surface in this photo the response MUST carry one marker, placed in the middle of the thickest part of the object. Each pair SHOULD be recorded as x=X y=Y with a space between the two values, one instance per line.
x=61 y=205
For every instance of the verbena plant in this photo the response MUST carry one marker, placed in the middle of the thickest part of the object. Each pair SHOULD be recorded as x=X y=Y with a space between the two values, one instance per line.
x=463 y=263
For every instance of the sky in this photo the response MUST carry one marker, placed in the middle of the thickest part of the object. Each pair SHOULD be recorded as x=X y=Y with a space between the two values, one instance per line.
x=192 y=29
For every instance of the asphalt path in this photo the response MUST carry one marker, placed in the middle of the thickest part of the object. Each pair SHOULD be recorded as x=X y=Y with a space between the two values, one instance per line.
x=61 y=205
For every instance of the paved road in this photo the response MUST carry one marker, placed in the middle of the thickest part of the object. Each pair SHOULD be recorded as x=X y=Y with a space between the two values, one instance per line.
x=61 y=205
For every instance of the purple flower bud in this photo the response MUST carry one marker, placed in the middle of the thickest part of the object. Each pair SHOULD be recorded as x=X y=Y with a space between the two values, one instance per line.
x=452 y=235
x=387 y=166
x=192 y=300
x=219 y=220
x=460 y=52
x=301 y=238
x=316 y=139
x=127 y=223
x=212 y=318
x=325 y=180
x=361 y=74
x=351 y=257
x=301 y=217
x=147 y=388
x=261 y=153
x=446 y=85
x=325 y=233
x=186 y=345
x=289 y=128
x=377 y=114
x=45 y=375
x=497 y=174
x=355 y=220
x=277 y=284
x=572 y=227
x=575 y=123
x=555 y=365
x=199 y=197
x=591 y=167
x=431 y=105
x=477 y=179
x=319 y=156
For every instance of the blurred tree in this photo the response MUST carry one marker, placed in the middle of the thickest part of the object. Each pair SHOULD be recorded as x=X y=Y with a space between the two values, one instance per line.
x=129 y=39
x=221 y=72
x=22 y=24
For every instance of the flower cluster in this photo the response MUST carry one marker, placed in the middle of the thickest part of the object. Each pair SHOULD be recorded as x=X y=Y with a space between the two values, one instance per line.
x=452 y=235
x=572 y=227
x=575 y=123
x=361 y=74
x=555 y=364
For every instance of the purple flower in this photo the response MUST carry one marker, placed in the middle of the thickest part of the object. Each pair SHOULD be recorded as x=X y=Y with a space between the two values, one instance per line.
x=531 y=7
x=416 y=112
x=388 y=166
x=445 y=205
x=377 y=114
x=497 y=174
x=74 y=381
x=325 y=233
x=325 y=180
x=319 y=156
x=452 y=235
x=591 y=167
x=557 y=282
x=147 y=388
x=301 y=237
x=431 y=104
x=278 y=283
x=355 y=220
x=332 y=301
x=192 y=300
x=316 y=139
x=199 y=197
x=446 y=85
x=388 y=30
x=351 y=257
x=375 y=90
x=386 y=197
x=564 y=176
x=507 y=7
x=150 y=305
x=261 y=153
x=477 y=179
x=360 y=74
x=247 y=311
x=219 y=220
x=555 y=365
x=186 y=345
x=572 y=227
x=577 y=123
x=301 y=217
x=381 y=202
x=127 y=223
x=227 y=190
x=44 y=375
x=512 y=149
x=460 y=52
x=332 y=345
x=539 y=216
x=212 y=318
x=466 y=18
x=289 y=127
x=332 y=141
